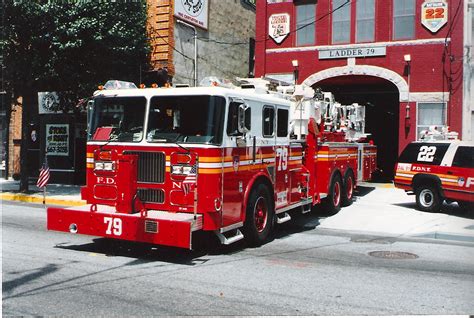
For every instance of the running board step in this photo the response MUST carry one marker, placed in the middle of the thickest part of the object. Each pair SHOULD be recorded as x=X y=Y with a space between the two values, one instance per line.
x=306 y=208
x=229 y=237
x=283 y=217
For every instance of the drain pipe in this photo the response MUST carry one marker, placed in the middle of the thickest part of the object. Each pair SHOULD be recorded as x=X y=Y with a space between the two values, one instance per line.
x=195 y=78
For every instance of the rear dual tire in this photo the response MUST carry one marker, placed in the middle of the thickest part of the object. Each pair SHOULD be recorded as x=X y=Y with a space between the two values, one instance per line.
x=348 y=189
x=334 y=198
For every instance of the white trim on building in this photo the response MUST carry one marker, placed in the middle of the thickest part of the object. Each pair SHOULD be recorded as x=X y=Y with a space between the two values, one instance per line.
x=468 y=73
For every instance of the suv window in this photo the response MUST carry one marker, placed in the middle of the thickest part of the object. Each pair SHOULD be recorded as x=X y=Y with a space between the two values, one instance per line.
x=424 y=153
x=464 y=157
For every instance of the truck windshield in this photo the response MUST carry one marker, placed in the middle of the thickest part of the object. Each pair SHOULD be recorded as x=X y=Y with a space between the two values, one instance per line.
x=186 y=119
x=118 y=119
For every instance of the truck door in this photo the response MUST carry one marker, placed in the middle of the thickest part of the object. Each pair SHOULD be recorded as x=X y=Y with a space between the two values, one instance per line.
x=236 y=160
x=463 y=168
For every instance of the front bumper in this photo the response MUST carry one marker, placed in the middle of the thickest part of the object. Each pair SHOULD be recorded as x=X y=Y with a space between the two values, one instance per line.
x=155 y=227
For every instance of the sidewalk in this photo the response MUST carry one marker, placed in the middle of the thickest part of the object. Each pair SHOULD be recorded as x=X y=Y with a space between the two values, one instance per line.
x=379 y=209
x=382 y=209
x=56 y=194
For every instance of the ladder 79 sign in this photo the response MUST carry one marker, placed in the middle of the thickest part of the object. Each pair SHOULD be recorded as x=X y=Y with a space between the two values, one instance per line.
x=434 y=14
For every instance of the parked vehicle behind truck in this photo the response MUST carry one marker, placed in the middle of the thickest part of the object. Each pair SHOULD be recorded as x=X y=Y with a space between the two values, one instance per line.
x=437 y=168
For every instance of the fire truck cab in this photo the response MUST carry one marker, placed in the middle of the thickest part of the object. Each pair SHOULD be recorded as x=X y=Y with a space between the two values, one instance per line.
x=164 y=163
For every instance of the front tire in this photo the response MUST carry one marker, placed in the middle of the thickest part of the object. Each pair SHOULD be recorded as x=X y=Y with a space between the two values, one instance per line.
x=428 y=198
x=259 y=218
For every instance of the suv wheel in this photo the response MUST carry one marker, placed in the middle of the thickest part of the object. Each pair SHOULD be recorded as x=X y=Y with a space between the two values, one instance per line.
x=427 y=198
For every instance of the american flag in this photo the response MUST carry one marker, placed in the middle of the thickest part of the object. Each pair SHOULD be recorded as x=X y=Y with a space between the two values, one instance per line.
x=189 y=181
x=43 y=176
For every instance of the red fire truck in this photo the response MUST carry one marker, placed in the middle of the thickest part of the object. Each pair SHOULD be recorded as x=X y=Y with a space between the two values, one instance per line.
x=163 y=163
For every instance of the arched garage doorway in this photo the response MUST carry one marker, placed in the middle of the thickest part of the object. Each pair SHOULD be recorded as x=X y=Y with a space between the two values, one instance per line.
x=382 y=91
x=381 y=101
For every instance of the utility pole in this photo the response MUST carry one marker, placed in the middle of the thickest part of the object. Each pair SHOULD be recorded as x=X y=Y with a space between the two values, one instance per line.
x=195 y=78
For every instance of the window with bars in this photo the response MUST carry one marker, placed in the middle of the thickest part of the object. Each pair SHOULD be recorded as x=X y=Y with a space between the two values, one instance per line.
x=403 y=19
x=365 y=10
x=430 y=114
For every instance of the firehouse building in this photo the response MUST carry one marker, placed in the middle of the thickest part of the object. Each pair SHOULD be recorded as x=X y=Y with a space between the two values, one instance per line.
x=407 y=61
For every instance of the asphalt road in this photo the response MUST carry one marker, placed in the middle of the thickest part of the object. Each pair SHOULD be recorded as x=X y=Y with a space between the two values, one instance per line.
x=303 y=271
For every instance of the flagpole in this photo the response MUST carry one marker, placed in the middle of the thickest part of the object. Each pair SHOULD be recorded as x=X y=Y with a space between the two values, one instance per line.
x=46 y=165
x=43 y=177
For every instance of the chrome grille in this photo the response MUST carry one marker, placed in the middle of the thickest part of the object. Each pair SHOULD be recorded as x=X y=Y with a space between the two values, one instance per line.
x=151 y=195
x=151 y=166
x=151 y=226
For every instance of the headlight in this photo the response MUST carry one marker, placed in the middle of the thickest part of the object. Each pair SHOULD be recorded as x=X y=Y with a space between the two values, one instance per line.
x=181 y=170
x=104 y=165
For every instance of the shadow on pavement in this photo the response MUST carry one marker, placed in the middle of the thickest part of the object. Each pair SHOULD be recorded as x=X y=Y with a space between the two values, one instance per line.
x=204 y=243
x=141 y=252
x=362 y=191
x=447 y=208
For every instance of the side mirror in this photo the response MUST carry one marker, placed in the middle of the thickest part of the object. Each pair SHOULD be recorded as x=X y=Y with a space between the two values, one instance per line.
x=244 y=116
x=89 y=109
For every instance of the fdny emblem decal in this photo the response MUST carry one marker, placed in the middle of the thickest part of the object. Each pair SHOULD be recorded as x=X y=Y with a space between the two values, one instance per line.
x=282 y=198
x=235 y=163
x=404 y=167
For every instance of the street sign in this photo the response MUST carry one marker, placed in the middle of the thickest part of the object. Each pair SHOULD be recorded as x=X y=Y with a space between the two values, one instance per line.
x=352 y=52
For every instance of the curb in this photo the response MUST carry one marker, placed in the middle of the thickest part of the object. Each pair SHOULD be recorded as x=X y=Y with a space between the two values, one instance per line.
x=388 y=185
x=435 y=236
x=34 y=199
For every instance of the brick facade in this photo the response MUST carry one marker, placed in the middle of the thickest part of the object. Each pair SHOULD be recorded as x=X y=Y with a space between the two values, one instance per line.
x=14 y=139
x=223 y=49
x=380 y=80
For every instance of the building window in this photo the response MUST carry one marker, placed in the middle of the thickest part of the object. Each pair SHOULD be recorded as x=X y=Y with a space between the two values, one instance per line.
x=305 y=18
x=403 y=19
x=341 y=21
x=431 y=114
x=365 y=20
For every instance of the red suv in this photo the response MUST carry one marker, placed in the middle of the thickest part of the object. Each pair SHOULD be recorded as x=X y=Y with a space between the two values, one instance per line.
x=437 y=171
